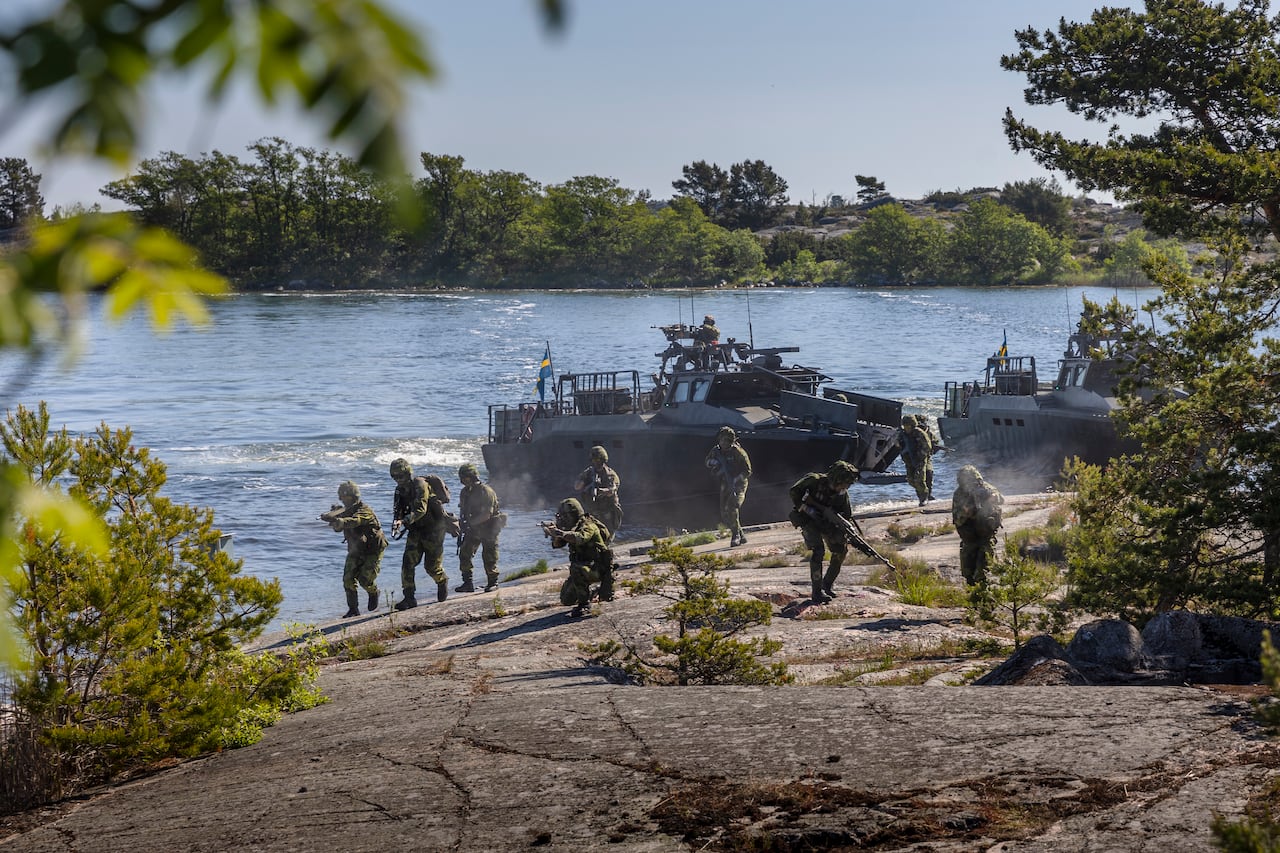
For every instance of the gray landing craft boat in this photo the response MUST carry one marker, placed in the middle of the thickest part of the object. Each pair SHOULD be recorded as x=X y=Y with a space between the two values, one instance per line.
x=658 y=433
x=1010 y=416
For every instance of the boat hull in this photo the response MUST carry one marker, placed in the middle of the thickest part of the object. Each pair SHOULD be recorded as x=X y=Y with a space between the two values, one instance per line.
x=665 y=482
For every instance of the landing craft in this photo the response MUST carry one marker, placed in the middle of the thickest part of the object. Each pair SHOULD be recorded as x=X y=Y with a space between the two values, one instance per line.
x=658 y=433
x=1011 y=416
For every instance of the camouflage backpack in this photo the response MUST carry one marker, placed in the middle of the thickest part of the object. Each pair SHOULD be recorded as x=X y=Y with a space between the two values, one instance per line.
x=438 y=487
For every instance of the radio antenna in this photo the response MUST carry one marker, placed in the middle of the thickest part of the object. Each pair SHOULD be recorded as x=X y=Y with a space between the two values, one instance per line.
x=751 y=335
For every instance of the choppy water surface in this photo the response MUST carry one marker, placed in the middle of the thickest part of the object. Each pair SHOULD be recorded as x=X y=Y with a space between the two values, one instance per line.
x=262 y=414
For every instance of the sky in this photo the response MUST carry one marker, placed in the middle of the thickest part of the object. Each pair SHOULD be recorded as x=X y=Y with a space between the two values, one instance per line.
x=820 y=90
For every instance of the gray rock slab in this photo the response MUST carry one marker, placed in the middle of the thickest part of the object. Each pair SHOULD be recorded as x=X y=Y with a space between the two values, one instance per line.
x=485 y=729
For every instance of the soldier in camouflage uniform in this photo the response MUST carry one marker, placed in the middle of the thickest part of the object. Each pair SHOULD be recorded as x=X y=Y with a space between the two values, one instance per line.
x=705 y=338
x=917 y=454
x=729 y=462
x=817 y=498
x=365 y=543
x=975 y=509
x=420 y=514
x=590 y=559
x=481 y=524
x=597 y=489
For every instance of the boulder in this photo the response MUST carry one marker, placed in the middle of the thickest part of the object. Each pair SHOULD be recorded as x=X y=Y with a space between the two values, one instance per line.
x=1173 y=639
x=1040 y=662
x=1110 y=643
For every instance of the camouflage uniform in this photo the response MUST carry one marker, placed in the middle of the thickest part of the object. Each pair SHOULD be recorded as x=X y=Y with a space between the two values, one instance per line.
x=423 y=518
x=917 y=453
x=590 y=559
x=705 y=337
x=481 y=524
x=815 y=497
x=362 y=531
x=732 y=467
x=597 y=489
x=975 y=509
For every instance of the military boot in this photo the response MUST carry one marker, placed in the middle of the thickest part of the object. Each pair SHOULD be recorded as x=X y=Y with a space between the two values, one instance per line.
x=491 y=584
x=373 y=600
x=829 y=579
x=408 y=602
x=353 y=604
x=442 y=591
x=817 y=595
x=467 y=586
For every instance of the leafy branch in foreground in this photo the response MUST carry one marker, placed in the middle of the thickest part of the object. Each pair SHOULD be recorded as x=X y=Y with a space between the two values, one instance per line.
x=704 y=649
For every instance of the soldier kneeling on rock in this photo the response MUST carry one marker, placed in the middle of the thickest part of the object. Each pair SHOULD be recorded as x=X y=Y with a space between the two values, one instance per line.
x=590 y=558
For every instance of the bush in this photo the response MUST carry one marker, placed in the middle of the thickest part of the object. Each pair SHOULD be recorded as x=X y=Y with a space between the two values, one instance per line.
x=707 y=621
x=132 y=655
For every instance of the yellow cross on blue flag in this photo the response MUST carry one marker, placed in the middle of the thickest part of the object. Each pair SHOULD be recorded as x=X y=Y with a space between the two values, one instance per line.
x=544 y=373
x=1003 y=352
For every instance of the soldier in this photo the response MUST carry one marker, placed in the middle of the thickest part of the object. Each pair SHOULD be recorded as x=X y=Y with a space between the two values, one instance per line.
x=975 y=509
x=590 y=558
x=917 y=453
x=729 y=462
x=597 y=489
x=481 y=524
x=817 y=499
x=365 y=543
x=705 y=338
x=419 y=515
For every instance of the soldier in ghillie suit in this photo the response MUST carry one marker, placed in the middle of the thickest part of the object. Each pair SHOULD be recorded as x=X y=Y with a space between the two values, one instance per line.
x=359 y=526
x=731 y=466
x=590 y=559
x=419 y=513
x=975 y=509
x=817 y=499
x=917 y=454
x=481 y=523
x=597 y=489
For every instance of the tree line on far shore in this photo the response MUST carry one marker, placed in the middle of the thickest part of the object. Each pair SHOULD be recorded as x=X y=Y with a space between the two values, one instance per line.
x=297 y=216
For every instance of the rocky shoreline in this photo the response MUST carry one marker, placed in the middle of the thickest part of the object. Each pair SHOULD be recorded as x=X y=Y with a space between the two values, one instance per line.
x=483 y=728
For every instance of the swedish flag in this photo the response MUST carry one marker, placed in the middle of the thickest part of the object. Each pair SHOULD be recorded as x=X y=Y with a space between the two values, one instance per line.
x=1003 y=352
x=544 y=374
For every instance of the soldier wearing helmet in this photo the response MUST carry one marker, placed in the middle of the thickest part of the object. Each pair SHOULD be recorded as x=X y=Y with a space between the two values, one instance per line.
x=731 y=466
x=360 y=527
x=419 y=516
x=481 y=523
x=598 y=491
x=817 y=500
x=705 y=339
x=975 y=510
x=590 y=559
x=918 y=448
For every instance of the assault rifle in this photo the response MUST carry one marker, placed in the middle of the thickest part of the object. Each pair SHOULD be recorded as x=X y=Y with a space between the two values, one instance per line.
x=335 y=512
x=852 y=533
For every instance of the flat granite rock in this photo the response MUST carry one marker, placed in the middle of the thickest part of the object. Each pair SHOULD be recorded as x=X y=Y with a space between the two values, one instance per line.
x=485 y=729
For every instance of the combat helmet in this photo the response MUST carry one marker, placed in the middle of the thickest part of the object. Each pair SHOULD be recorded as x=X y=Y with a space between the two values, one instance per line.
x=400 y=468
x=570 y=508
x=599 y=454
x=468 y=470
x=908 y=421
x=348 y=489
x=968 y=476
x=726 y=432
x=842 y=472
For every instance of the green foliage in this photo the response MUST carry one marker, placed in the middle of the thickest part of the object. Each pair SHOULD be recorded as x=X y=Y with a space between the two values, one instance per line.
x=1206 y=70
x=695 y=539
x=892 y=247
x=918 y=585
x=991 y=245
x=538 y=568
x=870 y=190
x=705 y=648
x=132 y=651
x=1040 y=200
x=1015 y=594
x=20 y=198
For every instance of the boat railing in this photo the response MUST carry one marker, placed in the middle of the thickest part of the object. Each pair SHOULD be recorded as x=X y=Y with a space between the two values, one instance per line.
x=1013 y=375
